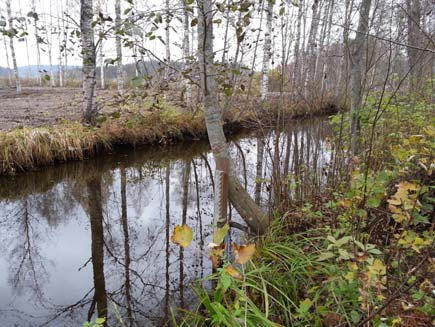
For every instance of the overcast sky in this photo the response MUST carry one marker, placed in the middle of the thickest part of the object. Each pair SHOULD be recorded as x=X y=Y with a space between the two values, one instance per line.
x=50 y=15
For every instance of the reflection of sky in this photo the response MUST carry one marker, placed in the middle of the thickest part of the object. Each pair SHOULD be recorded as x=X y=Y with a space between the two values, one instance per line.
x=62 y=244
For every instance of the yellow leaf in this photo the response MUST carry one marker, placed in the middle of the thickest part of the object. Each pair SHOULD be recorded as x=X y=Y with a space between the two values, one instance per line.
x=244 y=253
x=397 y=321
x=400 y=217
x=394 y=209
x=220 y=233
x=345 y=203
x=430 y=130
x=394 y=202
x=182 y=235
x=233 y=272
x=216 y=255
x=409 y=186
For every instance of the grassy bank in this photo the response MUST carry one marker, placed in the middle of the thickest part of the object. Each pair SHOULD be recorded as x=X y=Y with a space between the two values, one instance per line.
x=26 y=148
x=360 y=255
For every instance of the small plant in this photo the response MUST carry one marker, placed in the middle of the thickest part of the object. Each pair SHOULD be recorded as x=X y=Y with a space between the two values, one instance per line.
x=99 y=322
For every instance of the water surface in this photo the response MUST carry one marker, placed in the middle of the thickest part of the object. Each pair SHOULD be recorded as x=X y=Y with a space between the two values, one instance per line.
x=90 y=237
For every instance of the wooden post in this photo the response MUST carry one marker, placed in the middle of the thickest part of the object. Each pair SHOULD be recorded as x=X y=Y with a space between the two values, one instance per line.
x=220 y=199
x=220 y=214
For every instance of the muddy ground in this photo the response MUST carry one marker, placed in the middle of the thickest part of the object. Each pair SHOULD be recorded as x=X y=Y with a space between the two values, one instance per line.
x=44 y=106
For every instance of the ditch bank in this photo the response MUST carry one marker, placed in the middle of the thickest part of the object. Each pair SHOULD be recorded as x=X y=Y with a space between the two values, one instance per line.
x=27 y=148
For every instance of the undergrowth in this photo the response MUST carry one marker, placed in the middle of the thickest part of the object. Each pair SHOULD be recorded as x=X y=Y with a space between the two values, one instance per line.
x=368 y=258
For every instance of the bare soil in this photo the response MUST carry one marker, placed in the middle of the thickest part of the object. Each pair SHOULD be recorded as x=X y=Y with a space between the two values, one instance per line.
x=44 y=106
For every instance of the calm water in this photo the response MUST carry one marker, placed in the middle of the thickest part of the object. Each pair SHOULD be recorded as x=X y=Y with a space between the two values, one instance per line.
x=81 y=237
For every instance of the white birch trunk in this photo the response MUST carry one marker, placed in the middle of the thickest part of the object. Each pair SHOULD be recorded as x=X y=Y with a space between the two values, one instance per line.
x=240 y=199
x=357 y=72
x=119 y=70
x=167 y=39
x=186 y=51
x=296 y=68
x=11 y=45
x=267 y=49
x=49 y=37
x=101 y=48
x=29 y=73
x=59 y=34
x=89 y=63
x=7 y=61
x=38 y=50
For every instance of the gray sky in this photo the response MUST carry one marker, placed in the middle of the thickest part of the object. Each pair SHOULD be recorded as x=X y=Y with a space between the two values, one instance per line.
x=50 y=10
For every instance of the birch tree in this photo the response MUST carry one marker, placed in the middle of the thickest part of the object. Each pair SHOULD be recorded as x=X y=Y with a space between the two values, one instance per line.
x=186 y=50
x=267 y=50
x=89 y=114
x=7 y=61
x=38 y=41
x=358 y=72
x=413 y=8
x=239 y=198
x=49 y=40
x=119 y=70
x=101 y=47
x=12 y=33
x=25 y=39
x=167 y=38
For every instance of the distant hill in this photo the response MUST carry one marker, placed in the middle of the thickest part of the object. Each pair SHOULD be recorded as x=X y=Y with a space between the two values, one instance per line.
x=148 y=67
x=32 y=71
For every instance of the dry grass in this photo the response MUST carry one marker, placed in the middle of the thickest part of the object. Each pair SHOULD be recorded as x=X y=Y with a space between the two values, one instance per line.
x=26 y=148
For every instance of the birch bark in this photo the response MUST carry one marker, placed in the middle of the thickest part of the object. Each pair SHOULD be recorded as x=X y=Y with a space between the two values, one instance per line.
x=240 y=199
x=11 y=45
x=89 y=63
x=357 y=72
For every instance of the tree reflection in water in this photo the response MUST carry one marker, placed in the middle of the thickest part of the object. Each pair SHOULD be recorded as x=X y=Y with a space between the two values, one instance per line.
x=92 y=238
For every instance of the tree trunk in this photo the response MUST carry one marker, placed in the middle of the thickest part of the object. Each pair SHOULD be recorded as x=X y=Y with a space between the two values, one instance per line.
x=11 y=44
x=296 y=68
x=49 y=37
x=254 y=56
x=7 y=61
x=89 y=65
x=312 y=46
x=101 y=49
x=414 y=39
x=167 y=39
x=357 y=68
x=59 y=36
x=29 y=72
x=97 y=236
x=119 y=70
x=267 y=49
x=127 y=257
x=240 y=199
x=186 y=51
x=38 y=50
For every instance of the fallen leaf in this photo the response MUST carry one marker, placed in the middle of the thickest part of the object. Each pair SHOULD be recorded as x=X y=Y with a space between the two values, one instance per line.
x=244 y=253
x=216 y=255
x=182 y=235
x=233 y=272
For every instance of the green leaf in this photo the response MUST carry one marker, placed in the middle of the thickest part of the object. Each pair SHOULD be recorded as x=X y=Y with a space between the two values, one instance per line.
x=373 y=202
x=220 y=233
x=137 y=81
x=304 y=307
x=325 y=256
x=100 y=320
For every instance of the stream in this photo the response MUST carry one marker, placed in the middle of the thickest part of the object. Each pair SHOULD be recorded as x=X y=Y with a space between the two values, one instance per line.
x=94 y=236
